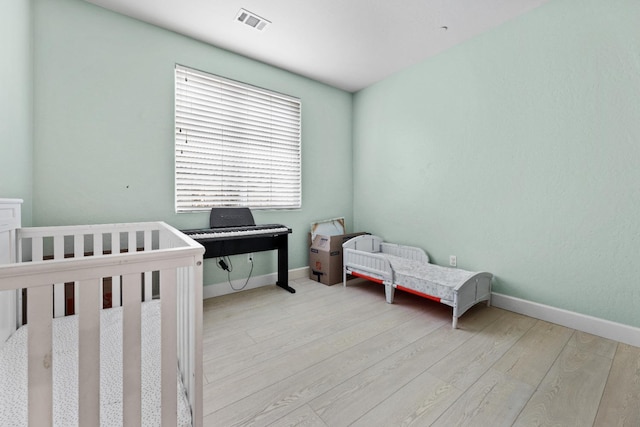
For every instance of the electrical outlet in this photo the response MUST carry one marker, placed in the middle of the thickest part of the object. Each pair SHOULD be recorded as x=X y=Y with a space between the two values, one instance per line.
x=250 y=258
x=453 y=260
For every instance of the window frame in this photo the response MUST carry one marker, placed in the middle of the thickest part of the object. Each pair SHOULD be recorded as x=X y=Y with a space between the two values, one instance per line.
x=243 y=144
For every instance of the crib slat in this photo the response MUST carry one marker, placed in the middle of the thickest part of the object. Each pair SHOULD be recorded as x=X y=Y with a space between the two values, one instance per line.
x=115 y=242
x=40 y=379
x=115 y=280
x=132 y=244
x=58 y=288
x=131 y=350
x=97 y=244
x=98 y=251
x=115 y=291
x=190 y=345
x=58 y=247
x=195 y=398
x=36 y=249
x=184 y=326
x=148 y=291
x=78 y=252
x=78 y=245
x=89 y=352
x=189 y=325
x=169 y=359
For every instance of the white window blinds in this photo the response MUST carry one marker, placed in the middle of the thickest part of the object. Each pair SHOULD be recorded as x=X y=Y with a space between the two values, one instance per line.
x=236 y=145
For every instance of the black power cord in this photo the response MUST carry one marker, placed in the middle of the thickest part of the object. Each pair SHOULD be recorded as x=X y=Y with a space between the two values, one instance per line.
x=223 y=265
x=228 y=267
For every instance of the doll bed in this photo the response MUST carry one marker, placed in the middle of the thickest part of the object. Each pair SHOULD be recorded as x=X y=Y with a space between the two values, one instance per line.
x=407 y=268
x=138 y=363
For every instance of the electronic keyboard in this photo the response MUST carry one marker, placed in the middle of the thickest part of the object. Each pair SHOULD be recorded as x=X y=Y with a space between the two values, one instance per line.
x=233 y=231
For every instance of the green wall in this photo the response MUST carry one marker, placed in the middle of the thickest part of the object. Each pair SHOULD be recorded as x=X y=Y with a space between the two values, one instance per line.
x=16 y=107
x=518 y=152
x=515 y=151
x=104 y=126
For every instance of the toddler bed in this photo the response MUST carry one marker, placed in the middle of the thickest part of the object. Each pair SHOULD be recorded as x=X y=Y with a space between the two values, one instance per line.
x=138 y=363
x=407 y=268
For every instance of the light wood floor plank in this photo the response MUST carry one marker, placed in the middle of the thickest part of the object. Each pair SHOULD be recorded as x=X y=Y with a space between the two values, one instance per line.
x=470 y=361
x=316 y=311
x=273 y=402
x=246 y=318
x=342 y=405
x=301 y=417
x=329 y=356
x=236 y=313
x=620 y=405
x=217 y=366
x=419 y=403
x=594 y=344
x=231 y=306
x=570 y=393
x=525 y=362
x=254 y=378
x=494 y=400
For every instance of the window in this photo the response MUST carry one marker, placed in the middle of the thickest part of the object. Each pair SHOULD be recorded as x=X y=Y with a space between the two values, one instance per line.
x=236 y=144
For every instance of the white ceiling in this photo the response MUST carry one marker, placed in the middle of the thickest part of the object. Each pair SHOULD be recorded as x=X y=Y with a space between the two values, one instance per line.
x=349 y=44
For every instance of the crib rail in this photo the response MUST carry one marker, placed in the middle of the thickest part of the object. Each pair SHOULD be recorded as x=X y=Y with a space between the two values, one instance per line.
x=371 y=264
x=408 y=252
x=55 y=243
x=131 y=255
x=365 y=242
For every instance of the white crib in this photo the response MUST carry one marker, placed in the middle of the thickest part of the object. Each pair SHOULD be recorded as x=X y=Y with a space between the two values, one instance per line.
x=139 y=259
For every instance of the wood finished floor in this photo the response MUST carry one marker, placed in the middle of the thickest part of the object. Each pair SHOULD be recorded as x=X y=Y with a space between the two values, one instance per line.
x=334 y=356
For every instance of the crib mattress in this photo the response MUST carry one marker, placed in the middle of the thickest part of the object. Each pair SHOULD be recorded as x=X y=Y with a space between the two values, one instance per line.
x=13 y=372
x=426 y=278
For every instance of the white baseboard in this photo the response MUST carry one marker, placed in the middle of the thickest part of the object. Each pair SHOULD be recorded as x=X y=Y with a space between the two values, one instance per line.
x=223 y=288
x=593 y=325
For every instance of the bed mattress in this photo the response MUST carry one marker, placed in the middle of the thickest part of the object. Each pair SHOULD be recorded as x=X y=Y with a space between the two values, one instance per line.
x=429 y=279
x=13 y=372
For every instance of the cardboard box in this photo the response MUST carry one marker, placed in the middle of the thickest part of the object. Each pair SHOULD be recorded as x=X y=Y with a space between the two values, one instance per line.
x=325 y=257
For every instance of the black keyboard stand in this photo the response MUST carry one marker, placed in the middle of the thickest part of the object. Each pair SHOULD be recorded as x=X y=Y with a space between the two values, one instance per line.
x=219 y=247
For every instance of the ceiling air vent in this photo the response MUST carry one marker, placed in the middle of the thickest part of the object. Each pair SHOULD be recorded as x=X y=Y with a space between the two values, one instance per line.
x=252 y=20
